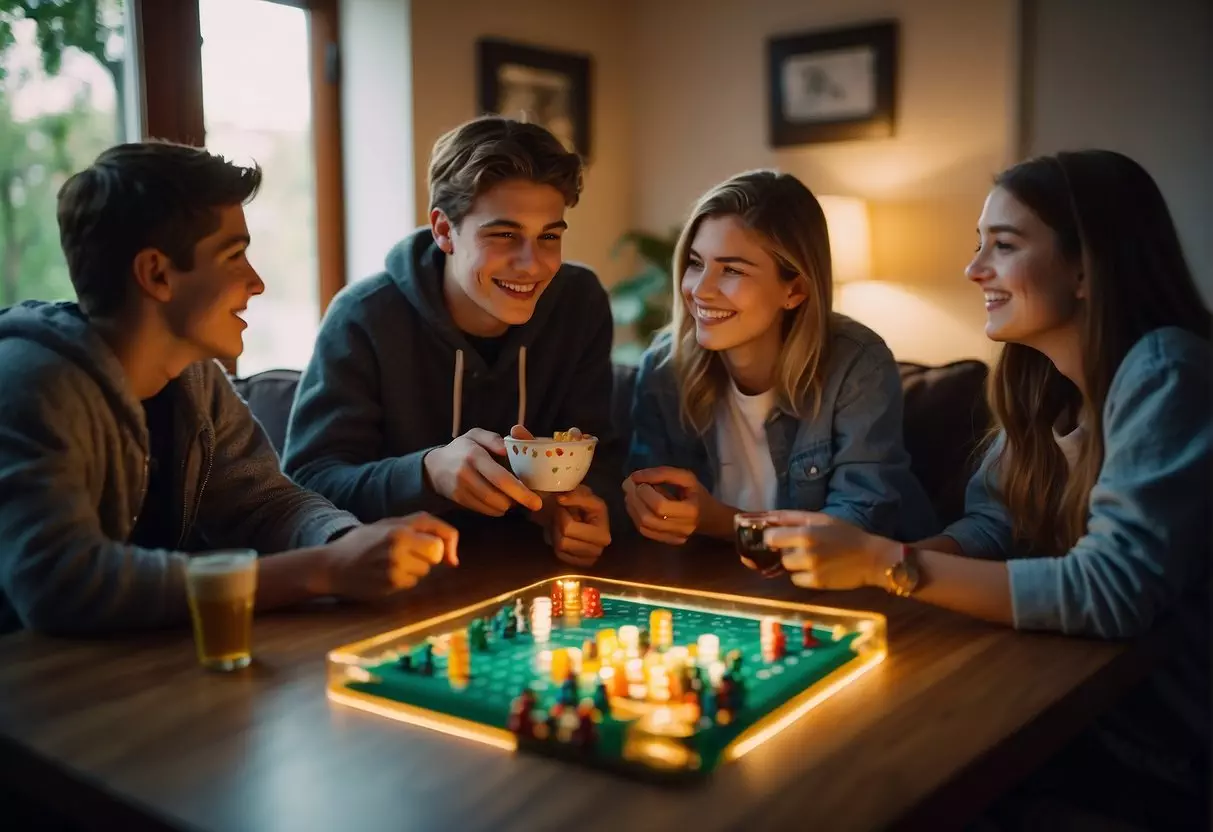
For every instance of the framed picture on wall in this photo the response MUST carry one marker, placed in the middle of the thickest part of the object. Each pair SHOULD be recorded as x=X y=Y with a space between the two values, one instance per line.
x=834 y=85
x=540 y=85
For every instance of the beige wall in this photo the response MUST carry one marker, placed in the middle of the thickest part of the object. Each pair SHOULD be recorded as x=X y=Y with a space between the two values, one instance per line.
x=1136 y=77
x=444 y=95
x=700 y=114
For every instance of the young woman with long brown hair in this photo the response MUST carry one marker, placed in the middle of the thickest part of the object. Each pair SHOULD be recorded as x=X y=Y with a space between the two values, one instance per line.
x=758 y=396
x=1091 y=512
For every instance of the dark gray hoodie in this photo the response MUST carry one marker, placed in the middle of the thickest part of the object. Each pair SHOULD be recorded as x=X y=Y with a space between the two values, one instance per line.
x=73 y=469
x=390 y=366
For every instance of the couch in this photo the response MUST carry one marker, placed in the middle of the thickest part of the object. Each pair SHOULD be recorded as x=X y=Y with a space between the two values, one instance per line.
x=946 y=416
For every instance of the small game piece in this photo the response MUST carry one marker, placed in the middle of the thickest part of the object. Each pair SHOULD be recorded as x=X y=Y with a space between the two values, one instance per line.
x=769 y=631
x=557 y=601
x=808 y=640
x=522 y=719
x=602 y=699
x=607 y=644
x=642 y=641
x=572 y=599
x=661 y=624
x=519 y=616
x=568 y=691
x=707 y=648
x=427 y=659
x=560 y=665
x=733 y=661
x=477 y=638
x=738 y=692
x=541 y=620
x=405 y=662
x=510 y=628
x=629 y=638
x=586 y=735
x=591 y=603
x=458 y=660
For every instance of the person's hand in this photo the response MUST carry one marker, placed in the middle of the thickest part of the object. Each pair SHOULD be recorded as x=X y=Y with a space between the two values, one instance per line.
x=378 y=559
x=579 y=526
x=657 y=516
x=466 y=473
x=823 y=552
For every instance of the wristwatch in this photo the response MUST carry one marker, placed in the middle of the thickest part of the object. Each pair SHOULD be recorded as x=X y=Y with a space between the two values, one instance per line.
x=902 y=577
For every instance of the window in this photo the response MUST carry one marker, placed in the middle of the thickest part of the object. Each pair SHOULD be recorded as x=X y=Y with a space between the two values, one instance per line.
x=257 y=101
x=61 y=104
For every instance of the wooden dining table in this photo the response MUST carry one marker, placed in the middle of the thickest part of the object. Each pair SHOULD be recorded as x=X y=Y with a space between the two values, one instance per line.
x=130 y=733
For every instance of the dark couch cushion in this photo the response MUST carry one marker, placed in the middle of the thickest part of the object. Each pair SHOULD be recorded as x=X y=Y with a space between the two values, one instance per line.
x=946 y=417
x=270 y=396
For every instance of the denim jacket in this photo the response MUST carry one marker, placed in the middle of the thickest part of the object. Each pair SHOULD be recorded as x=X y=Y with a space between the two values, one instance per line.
x=1145 y=555
x=850 y=461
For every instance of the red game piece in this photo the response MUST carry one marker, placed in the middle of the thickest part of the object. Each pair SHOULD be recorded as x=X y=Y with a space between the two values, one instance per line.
x=521 y=722
x=808 y=641
x=591 y=603
x=557 y=599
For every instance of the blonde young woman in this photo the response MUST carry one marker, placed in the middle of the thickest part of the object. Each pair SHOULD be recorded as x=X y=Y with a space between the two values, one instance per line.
x=758 y=396
x=1090 y=515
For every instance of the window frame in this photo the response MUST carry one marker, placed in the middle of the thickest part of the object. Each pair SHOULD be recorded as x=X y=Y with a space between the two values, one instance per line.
x=170 y=65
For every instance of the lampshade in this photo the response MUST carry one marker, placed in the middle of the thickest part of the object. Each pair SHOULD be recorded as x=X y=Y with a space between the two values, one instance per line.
x=850 y=237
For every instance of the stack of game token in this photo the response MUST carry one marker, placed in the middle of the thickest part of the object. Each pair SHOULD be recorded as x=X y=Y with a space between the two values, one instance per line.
x=591 y=603
x=541 y=620
x=557 y=607
x=772 y=639
x=707 y=648
x=607 y=644
x=458 y=660
x=572 y=599
x=661 y=628
x=560 y=666
x=629 y=639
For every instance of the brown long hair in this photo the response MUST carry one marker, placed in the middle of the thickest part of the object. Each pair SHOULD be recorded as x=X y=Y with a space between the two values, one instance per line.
x=786 y=215
x=1109 y=216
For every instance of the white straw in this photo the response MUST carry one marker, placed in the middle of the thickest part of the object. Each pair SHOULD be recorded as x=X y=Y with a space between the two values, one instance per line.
x=522 y=386
x=457 y=403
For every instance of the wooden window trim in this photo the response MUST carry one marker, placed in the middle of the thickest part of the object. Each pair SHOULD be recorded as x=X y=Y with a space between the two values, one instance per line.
x=170 y=55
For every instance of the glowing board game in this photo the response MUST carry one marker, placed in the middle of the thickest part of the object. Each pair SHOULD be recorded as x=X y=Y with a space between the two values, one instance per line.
x=642 y=679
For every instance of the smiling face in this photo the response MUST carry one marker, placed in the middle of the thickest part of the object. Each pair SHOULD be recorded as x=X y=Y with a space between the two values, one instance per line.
x=202 y=305
x=502 y=255
x=1033 y=295
x=733 y=289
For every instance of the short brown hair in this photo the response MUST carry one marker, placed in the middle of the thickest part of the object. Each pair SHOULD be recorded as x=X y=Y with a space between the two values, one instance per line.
x=489 y=150
x=142 y=195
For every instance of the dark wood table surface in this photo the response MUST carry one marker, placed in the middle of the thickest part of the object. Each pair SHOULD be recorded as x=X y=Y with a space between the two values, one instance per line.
x=130 y=733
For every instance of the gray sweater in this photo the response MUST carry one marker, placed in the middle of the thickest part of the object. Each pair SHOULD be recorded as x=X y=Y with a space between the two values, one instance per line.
x=73 y=471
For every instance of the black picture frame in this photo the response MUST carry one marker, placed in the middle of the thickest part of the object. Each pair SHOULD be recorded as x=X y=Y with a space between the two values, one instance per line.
x=845 y=84
x=558 y=82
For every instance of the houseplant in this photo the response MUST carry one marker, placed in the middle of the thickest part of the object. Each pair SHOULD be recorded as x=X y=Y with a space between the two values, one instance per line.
x=642 y=302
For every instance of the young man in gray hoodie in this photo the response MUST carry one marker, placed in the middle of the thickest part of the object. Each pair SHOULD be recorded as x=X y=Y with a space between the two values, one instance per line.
x=123 y=444
x=477 y=329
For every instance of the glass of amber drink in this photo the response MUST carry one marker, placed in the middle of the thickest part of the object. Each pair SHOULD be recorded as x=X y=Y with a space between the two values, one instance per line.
x=221 y=588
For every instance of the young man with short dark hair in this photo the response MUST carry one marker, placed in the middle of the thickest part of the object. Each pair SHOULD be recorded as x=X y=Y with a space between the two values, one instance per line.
x=123 y=444
x=475 y=330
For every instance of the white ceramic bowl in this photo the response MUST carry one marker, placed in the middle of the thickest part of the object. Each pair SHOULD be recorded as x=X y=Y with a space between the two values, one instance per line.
x=544 y=464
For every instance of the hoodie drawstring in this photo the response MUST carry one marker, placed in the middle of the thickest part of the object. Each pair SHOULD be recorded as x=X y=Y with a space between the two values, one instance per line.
x=457 y=395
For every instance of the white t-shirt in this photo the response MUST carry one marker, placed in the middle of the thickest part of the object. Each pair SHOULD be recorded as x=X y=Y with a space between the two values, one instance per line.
x=747 y=478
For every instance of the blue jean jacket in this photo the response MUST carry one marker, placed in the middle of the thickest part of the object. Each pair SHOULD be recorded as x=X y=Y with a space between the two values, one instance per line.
x=1146 y=553
x=849 y=462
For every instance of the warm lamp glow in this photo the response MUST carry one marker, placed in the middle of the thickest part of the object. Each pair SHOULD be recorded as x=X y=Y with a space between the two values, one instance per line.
x=850 y=237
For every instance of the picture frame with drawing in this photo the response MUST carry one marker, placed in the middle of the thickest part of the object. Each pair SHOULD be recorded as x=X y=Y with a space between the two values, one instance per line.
x=833 y=85
x=537 y=84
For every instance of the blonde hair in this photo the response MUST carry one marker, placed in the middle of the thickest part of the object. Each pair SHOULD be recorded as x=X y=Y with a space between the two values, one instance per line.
x=786 y=215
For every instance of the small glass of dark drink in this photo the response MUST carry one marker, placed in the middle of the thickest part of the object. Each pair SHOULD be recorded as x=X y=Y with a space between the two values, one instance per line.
x=750 y=528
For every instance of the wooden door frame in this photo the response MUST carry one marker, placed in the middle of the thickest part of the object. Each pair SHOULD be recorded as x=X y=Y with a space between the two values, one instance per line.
x=170 y=59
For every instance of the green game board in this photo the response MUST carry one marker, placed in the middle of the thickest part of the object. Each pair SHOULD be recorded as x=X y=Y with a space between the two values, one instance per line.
x=499 y=674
